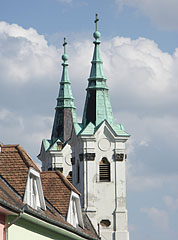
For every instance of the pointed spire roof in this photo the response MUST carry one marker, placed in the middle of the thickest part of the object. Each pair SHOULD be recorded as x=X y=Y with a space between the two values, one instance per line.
x=65 y=114
x=97 y=104
x=65 y=97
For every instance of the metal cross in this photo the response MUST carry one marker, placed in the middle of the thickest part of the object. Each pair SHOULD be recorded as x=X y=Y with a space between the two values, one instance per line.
x=64 y=44
x=96 y=21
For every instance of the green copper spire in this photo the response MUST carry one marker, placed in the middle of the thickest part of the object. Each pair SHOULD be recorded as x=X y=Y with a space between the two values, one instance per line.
x=65 y=98
x=65 y=114
x=97 y=104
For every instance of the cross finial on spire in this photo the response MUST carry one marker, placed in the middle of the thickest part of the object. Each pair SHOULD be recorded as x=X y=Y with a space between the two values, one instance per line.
x=64 y=44
x=96 y=22
x=64 y=56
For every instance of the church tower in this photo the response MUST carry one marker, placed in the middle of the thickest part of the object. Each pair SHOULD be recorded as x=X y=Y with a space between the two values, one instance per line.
x=91 y=154
x=99 y=157
x=56 y=152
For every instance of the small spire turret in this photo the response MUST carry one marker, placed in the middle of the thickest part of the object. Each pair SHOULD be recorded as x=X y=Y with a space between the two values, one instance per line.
x=65 y=114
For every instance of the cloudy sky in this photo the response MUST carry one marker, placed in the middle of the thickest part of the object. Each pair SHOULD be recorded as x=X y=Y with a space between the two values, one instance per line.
x=140 y=54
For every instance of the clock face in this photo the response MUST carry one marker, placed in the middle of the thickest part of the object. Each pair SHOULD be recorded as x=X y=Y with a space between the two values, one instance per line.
x=104 y=144
x=68 y=159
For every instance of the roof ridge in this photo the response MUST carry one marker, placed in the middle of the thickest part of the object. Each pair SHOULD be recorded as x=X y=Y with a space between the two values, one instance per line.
x=22 y=153
x=66 y=182
x=8 y=145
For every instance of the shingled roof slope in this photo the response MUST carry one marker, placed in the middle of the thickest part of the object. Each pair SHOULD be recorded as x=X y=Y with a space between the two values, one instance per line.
x=57 y=189
x=8 y=196
x=14 y=165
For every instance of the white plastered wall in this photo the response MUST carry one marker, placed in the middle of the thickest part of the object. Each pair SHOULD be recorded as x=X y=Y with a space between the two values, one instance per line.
x=103 y=200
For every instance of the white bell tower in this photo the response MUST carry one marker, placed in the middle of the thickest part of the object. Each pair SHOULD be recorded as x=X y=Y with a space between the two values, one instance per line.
x=99 y=158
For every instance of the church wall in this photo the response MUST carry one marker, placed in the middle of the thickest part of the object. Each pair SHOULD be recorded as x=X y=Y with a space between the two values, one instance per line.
x=103 y=200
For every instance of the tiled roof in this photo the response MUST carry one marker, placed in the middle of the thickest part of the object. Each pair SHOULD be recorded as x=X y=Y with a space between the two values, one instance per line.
x=9 y=199
x=57 y=189
x=8 y=196
x=55 y=192
x=14 y=165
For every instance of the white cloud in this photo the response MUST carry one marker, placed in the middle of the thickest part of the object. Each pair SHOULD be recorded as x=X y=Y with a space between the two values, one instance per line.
x=143 y=87
x=142 y=69
x=161 y=12
x=141 y=183
x=158 y=217
x=171 y=202
x=142 y=81
x=25 y=55
x=25 y=130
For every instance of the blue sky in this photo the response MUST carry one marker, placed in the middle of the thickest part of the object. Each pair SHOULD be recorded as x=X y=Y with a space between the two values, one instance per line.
x=140 y=53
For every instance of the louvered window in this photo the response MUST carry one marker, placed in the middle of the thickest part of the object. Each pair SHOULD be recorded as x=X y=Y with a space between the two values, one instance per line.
x=104 y=170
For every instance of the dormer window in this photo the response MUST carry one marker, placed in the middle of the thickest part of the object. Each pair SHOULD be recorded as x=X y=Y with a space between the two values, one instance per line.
x=74 y=215
x=33 y=193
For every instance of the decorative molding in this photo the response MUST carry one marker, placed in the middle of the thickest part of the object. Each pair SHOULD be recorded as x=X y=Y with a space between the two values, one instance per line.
x=119 y=157
x=104 y=144
x=68 y=160
x=90 y=156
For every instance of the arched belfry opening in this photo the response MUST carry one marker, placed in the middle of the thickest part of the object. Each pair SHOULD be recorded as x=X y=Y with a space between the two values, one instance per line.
x=104 y=170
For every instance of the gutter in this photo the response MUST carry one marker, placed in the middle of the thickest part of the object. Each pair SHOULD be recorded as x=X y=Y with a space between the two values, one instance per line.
x=54 y=223
x=13 y=222
x=53 y=228
x=44 y=221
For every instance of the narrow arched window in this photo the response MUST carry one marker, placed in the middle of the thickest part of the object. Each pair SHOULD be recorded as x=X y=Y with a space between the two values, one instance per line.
x=104 y=170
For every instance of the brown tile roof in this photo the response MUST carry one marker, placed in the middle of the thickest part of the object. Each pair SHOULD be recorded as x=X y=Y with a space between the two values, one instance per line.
x=14 y=165
x=56 y=191
x=12 y=199
x=12 y=202
x=7 y=195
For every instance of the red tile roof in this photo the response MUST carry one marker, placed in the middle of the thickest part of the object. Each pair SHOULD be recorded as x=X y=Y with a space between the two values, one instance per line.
x=9 y=196
x=56 y=190
x=14 y=165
